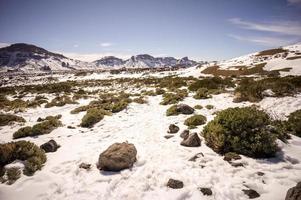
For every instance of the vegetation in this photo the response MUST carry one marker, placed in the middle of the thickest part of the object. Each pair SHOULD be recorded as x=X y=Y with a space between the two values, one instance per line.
x=45 y=127
x=172 y=98
x=92 y=116
x=241 y=130
x=294 y=122
x=209 y=107
x=195 y=120
x=26 y=151
x=60 y=101
x=13 y=174
x=202 y=93
x=139 y=100
x=6 y=119
x=198 y=107
x=211 y=83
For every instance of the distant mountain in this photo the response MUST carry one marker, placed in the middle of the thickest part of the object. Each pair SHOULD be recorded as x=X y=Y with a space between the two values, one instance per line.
x=30 y=58
x=284 y=60
x=144 y=61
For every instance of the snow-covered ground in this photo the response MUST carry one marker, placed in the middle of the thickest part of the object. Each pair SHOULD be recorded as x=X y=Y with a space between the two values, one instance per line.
x=158 y=159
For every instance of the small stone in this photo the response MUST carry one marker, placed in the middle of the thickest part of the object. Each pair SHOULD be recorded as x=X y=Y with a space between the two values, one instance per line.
x=173 y=128
x=85 y=166
x=196 y=156
x=206 y=191
x=184 y=134
x=260 y=173
x=175 y=184
x=252 y=194
x=71 y=127
x=168 y=136
x=231 y=156
x=236 y=164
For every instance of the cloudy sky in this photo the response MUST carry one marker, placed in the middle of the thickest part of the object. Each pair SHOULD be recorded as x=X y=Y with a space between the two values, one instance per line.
x=200 y=29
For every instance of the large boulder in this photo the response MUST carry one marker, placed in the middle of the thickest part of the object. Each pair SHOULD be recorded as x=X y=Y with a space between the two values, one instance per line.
x=173 y=128
x=50 y=146
x=192 y=140
x=185 y=109
x=117 y=157
x=294 y=193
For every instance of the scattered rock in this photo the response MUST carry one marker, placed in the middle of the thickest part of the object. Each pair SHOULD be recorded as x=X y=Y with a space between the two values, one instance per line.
x=185 y=109
x=85 y=166
x=71 y=127
x=231 y=156
x=252 y=194
x=196 y=156
x=175 y=184
x=193 y=140
x=173 y=128
x=168 y=136
x=236 y=164
x=117 y=157
x=294 y=193
x=184 y=134
x=260 y=173
x=206 y=191
x=50 y=146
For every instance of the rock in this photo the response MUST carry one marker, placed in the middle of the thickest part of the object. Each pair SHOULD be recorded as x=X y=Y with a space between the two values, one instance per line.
x=193 y=140
x=85 y=166
x=71 y=127
x=206 y=191
x=173 y=128
x=50 y=146
x=168 y=136
x=117 y=157
x=196 y=156
x=175 y=184
x=185 y=109
x=236 y=164
x=231 y=156
x=294 y=193
x=260 y=173
x=185 y=134
x=252 y=194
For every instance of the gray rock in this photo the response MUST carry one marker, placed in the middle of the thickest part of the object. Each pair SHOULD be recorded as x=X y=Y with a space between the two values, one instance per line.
x=185 y=109
x=185 y=134
x=206 y=191
x=193 y=140
x=231 y=156
x=294 y=193
x=173 y=128
x=175 y=184
x=85 y=166
x=50 y=146
x=252 y=194
x=117 y=157
x=168 y=136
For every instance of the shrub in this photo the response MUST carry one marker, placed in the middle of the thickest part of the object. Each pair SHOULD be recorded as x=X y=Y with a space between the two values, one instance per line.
x=211 y=83
x=195 y=120
x=172 y=110
x=249 y=90
x=13 y=174
x=6 y=119
x=209 y=107
x=241 y=130
x=294 y=120
x=60 y=101
x=92 y=116
x=25 y=151
x=45 y=127
x=172 y=98
x=159 y=91
x=140 y=100
x=198 y=107
x=202 y=93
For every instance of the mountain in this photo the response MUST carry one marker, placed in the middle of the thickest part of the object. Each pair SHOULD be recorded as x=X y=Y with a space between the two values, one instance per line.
x=144 y=61
x=30 y=58
x=283 y=60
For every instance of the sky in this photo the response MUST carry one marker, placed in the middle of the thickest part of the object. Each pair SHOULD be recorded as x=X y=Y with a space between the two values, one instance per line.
x=200 y=29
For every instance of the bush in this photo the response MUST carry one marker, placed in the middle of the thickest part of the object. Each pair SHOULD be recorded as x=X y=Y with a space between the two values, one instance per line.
x=198 y=107
x=173 y=98
x=241 y=130
x=209 y=107
x=249 y=90
x=195 y=120
x=42 y=128
x=13 y=174
x=92 y=116
x=172 y=110
x=202 y=93
x=159 y=91
x=6 y=119
x=211 y=83
x=140 y=100
x=60 y=101
x=26 y=151
x=294 y=120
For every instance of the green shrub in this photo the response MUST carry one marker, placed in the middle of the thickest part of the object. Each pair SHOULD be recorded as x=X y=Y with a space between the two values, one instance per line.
x=209 y=107
x=25 y=151
x=195 y=120
x=294 y=120
x=198 y=107
x=13 y=174
x=202 y=93
x=6 y=119
x=60 y=101
x=159 y=91
x=211 y=83
x=249 y=90
x=241 y=130
x=92 y=116
x=173 y=98
x=172 y=111
x=139 y=100
x=45 y=127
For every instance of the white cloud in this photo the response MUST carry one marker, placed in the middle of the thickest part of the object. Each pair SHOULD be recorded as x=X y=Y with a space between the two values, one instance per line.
x=75 y=45
x=292 y=28
x=94 y=56
x=2 y=44
x=106 y=44
x=265 y=41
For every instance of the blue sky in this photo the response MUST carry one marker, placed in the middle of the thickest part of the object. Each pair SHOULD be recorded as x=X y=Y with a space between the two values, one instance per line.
x=200 y=29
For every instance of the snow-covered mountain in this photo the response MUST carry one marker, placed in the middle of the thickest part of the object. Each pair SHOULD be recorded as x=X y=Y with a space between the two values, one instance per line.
x=144 y=61
x=285 y=59
x=30 y=58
